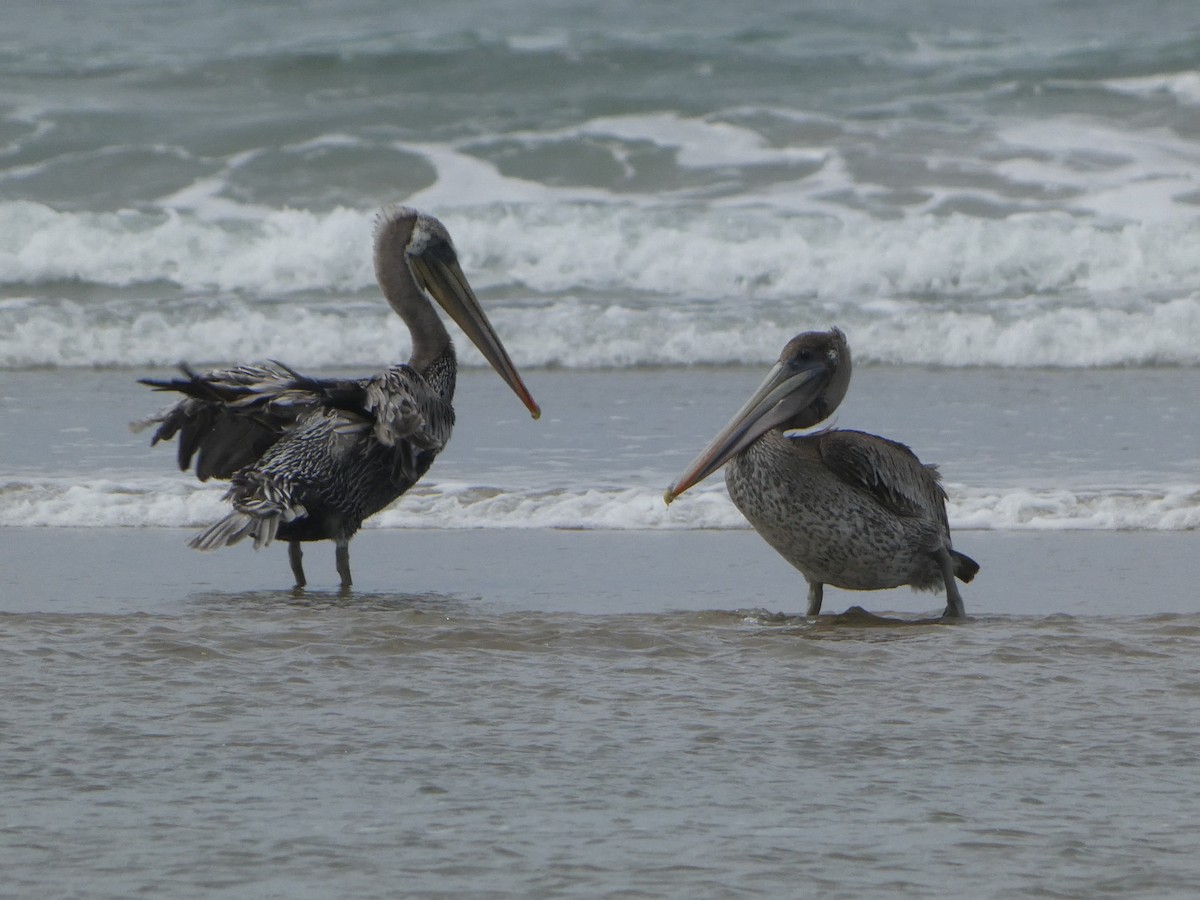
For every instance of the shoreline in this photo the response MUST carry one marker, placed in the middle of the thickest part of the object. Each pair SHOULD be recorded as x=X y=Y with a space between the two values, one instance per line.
x=152 y=571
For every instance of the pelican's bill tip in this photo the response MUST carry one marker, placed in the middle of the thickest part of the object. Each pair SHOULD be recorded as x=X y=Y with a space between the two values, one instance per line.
x=669 y=495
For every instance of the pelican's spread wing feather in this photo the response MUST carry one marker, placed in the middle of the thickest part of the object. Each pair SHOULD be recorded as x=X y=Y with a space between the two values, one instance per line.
x=888 y=470
x=230 y=418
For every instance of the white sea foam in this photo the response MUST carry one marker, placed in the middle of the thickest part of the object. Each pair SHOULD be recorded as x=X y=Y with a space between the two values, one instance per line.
x=696 y=143
x=172 y=503
x=284 y=251
x=1183 y=86
x=588 y=278
x=577 y=333
x=608 y=286
x=712 y=253
x=105 y=503
x=1148 y=175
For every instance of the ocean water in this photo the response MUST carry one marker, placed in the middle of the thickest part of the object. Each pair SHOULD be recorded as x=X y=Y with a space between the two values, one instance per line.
x=996 y=202
x=971 y=190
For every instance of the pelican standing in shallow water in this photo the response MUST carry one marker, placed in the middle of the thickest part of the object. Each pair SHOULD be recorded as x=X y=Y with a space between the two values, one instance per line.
x=310 y=458
x=846 y=508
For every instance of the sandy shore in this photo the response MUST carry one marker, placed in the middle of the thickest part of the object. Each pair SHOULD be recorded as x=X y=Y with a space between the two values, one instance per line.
x=127 y=570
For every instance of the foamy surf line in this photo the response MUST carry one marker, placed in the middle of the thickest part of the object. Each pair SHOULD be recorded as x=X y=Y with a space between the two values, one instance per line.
x=682 y=251
x=573 y=333
x=574 y=246
x=604 y=286
x=105 y=503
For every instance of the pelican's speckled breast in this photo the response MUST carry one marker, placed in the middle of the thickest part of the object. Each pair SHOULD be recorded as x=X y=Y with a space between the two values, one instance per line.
x=832 y=532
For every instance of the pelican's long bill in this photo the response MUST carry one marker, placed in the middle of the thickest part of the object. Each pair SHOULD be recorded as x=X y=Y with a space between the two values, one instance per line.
x=444 y=279
x=788 y=388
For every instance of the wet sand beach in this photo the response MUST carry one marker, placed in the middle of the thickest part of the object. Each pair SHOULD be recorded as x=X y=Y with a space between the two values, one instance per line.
x=128 y=571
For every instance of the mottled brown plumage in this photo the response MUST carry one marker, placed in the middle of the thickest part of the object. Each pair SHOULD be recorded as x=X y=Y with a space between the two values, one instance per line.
x=309 y=459
x=846 y=508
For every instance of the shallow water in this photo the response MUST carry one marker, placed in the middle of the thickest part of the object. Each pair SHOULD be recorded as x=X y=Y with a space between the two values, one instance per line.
x=517 y=710
x=595 y=712
x=1109 y=449
x=423 y=745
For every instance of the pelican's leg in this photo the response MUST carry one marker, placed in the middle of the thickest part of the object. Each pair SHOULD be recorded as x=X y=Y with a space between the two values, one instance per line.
x=295 y=557
x=342 y=557
x=954 y=601
x=816 y=592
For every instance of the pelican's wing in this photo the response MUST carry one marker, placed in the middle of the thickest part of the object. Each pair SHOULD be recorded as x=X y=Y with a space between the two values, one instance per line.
x=408 y=416
x=230 y=417
x=888 y=470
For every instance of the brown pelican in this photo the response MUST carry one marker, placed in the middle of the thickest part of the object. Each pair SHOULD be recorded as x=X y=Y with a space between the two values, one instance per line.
x=310 y=458
x=844 y=507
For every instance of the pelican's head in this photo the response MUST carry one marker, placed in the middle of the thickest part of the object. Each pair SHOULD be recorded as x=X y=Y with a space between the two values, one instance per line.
x=415 y=258
x=802 y=389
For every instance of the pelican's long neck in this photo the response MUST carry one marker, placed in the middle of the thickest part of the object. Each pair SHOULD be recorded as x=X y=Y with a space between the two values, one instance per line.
x=430 y=340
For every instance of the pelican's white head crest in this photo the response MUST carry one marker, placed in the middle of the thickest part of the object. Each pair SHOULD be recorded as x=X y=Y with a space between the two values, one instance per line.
x=423 y=229
x=388 y=215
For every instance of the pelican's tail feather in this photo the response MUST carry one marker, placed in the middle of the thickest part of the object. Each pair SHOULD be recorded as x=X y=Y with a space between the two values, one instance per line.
x=964 y=567
x=228 y=532
x=261 y=505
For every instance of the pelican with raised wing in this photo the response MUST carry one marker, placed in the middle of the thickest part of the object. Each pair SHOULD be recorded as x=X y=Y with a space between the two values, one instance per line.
x=846 y=508
x=310 y=458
